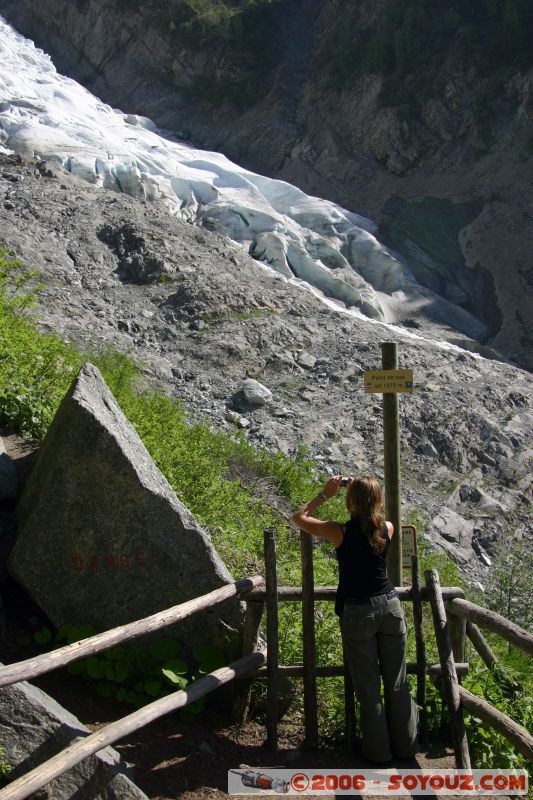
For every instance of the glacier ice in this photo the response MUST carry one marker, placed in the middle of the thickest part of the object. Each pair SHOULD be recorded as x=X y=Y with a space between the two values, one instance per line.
x=47 y=115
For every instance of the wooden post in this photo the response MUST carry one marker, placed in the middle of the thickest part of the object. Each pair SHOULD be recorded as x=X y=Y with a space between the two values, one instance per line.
x=420 y=649
x=481 y=645
x=485 y=652
x=457 y=629
x=309 y=645
x=391 y=453
x=250 y=638
x=449 y=675
x=271 y=581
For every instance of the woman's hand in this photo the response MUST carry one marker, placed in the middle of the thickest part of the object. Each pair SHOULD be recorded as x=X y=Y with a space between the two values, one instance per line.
x=332 y=487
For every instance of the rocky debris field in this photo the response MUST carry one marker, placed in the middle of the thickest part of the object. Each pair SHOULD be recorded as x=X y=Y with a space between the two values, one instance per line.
x=204 y=318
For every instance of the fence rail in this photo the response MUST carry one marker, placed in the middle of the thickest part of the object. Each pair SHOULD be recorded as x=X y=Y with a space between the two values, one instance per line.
x=26 y=785
x=493 y=622
x=405 y=593
x=518 y=736
x=38 y=665
x=337 y=670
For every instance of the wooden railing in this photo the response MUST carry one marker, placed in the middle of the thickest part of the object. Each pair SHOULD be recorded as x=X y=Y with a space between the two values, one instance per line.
x=26 y=785
x=454 y=618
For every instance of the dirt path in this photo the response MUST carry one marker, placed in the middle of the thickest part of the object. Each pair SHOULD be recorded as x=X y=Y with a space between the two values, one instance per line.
x=172 y=759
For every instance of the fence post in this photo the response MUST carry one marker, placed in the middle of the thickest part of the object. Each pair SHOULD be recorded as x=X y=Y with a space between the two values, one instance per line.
x=250 y=638
x=271 y=581
x=449 y=675
x=485 y=652
x=420 y=649
x=309 y=645
x=457 y=629
x=391 y=453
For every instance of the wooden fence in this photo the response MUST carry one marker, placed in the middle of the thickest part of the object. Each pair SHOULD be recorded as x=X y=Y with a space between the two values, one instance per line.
x=26 y=785
x=454 y=618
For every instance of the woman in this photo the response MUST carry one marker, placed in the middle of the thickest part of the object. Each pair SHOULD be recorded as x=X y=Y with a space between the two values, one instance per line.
x=372 y=621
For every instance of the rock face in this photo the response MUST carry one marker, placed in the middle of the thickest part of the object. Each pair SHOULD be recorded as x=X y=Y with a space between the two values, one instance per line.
x=412 y=173
x=102 y=537
x=220 y=317
x=33 y=728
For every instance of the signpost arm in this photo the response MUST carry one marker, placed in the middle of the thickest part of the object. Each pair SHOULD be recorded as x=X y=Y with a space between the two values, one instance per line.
x=391 y=431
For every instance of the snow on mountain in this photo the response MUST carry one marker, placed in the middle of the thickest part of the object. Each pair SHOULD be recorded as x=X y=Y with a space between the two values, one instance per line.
x=45 y=114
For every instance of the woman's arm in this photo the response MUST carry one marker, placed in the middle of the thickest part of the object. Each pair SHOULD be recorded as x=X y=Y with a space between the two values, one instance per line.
x=390 y=529
x=303 y=519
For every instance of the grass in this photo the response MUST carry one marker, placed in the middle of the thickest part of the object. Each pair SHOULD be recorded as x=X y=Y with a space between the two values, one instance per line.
x=234 y=490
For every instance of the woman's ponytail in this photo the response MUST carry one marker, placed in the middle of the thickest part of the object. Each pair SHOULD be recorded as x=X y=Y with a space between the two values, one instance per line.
x=364 y=499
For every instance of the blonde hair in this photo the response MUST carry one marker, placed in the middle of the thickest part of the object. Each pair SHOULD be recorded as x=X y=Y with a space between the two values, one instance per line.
x=364 y=501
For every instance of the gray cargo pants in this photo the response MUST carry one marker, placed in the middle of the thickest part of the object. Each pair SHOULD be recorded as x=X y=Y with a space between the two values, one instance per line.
x=374 y=637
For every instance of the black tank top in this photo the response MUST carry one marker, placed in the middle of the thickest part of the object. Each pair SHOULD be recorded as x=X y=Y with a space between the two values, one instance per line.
x=362 y=573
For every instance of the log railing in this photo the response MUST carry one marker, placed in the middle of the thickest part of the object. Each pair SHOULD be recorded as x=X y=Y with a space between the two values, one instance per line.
x=46 y=662
x=453 y=618
x=272 y=594
x=492 y=622
x=28 y=784
x=255 y=663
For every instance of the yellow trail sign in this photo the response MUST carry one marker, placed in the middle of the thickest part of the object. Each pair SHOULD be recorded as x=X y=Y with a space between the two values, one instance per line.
x=389 y=380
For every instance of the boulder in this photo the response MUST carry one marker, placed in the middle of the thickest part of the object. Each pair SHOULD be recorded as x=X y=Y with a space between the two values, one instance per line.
x=255 y=393
x=33 y=728
x=426 y=449
x=454 y=535
x=102 y=537
x=306 y=360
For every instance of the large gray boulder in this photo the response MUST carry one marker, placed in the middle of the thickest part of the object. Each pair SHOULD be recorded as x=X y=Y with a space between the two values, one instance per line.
x=454 y=534
x=102 y=537
x=33 y=728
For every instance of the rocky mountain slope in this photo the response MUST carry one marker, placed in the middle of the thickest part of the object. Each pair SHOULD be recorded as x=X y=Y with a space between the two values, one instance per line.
x=444 y=168
x=203 y=316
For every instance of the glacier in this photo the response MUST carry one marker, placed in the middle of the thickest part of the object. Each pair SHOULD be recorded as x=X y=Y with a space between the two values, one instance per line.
x=46 y=115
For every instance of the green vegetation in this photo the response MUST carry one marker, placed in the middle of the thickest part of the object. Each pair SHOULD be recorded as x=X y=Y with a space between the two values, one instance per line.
x=244 y=27
x=235 y=491
x=5 y=768
x=140 y=674
x=411 y=41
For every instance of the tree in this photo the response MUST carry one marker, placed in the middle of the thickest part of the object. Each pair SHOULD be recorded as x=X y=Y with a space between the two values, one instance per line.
x=508 y=590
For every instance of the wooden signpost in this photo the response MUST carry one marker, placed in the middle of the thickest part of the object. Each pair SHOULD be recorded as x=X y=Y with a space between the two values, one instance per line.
x=390 y=381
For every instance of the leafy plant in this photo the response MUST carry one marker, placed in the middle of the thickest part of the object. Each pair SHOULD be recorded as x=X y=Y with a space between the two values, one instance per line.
x=5 y=768
x=488 y=748
x=137 y=675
